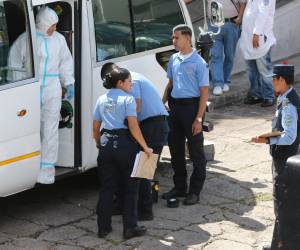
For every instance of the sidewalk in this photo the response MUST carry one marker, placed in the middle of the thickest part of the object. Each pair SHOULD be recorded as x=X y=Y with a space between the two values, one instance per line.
x=240 y=85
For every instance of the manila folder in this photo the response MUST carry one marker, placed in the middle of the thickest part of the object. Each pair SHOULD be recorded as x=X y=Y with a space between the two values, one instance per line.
x=144 y=166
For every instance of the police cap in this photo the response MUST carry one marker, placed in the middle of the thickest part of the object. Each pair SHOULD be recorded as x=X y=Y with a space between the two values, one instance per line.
x=284 y=70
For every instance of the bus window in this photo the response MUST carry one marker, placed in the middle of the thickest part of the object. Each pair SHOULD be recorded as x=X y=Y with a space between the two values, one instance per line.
x=15 y=42
x=154 y=21
x=112 y=28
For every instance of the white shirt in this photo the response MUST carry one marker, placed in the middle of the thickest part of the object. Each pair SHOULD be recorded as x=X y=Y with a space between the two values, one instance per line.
x=186 y=56
x=258 y=19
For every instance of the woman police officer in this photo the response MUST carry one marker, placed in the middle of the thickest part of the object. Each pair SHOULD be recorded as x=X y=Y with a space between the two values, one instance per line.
x=117 y=151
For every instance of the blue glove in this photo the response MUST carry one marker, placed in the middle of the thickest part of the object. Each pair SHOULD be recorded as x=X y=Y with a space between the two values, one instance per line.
x=70 y=91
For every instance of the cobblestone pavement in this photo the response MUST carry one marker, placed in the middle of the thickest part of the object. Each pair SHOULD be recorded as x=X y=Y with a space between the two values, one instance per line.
x=235 y=209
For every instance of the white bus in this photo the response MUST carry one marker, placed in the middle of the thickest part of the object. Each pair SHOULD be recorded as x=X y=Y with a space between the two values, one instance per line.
x=136 y=34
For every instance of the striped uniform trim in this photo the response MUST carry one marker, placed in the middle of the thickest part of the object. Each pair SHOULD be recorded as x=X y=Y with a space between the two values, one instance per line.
x=19 y=158
x=47 y=165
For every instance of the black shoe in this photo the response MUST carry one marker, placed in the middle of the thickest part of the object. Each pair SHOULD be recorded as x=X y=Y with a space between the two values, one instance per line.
x=267 y=247
x=145 y=217
x=267 y=103
x=173 y=193
x=252 y=100
x=191 y=199
x=104 y=233
x=134 y=232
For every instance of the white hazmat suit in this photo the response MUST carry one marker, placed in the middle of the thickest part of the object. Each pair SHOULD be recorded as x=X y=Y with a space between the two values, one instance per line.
x=55 y=70
x=19 y=59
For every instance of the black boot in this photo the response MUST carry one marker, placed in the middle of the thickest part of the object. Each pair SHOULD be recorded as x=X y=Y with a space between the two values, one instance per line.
x=191 y=199
x=134 y=232
x=173 y=193
x=103 y=233
x=252 y=100
x=145 y=216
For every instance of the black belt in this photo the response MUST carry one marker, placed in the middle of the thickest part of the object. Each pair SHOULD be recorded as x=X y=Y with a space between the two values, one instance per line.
x=121 y=131
x=231 y=19
x=157 y=118
x=186 y=101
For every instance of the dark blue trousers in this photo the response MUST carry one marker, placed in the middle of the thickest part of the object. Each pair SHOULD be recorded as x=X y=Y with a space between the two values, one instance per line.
x=155 y=133
x=115 y=163
x=182 y=116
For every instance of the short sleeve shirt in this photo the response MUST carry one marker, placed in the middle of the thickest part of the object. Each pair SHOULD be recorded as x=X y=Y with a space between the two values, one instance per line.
x=289 y=122
x=143 y=89
x=113 y=108
x=188 y=75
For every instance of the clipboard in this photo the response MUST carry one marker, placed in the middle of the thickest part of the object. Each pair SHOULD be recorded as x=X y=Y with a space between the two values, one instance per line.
x=271 y=134
x=144 y=166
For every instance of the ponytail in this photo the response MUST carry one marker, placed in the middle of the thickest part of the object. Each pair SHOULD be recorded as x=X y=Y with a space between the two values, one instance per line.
x=117 y=74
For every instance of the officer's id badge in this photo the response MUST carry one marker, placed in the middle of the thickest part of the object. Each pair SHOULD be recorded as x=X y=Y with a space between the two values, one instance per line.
x=266 y=2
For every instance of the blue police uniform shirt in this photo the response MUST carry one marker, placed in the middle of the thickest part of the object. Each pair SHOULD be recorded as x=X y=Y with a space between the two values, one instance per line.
x=143 y=89
x=188 y=75
x=288 y=121
x=112 y=108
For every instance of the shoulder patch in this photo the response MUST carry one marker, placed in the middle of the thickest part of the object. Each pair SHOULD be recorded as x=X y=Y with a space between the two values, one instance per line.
x=288 y=121
x=285 y=103
x=266 y=2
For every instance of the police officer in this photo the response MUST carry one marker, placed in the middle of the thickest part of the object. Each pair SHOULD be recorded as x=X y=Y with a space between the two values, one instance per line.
x=117 y=151
x=152 y=115
x=282 y=147
x=188 y=83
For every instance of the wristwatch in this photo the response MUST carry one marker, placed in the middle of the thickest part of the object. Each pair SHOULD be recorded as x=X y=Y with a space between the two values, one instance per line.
x=199 y=119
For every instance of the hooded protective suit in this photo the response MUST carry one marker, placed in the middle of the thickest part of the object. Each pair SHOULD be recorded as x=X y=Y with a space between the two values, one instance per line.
x=19 y=59
x=55 y=70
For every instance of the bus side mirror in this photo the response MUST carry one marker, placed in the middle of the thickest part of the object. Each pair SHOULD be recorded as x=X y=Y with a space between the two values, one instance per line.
x=217 y=17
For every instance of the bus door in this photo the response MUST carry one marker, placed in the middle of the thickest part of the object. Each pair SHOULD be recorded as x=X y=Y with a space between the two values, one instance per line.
x=19 y=99
x=66 y=11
